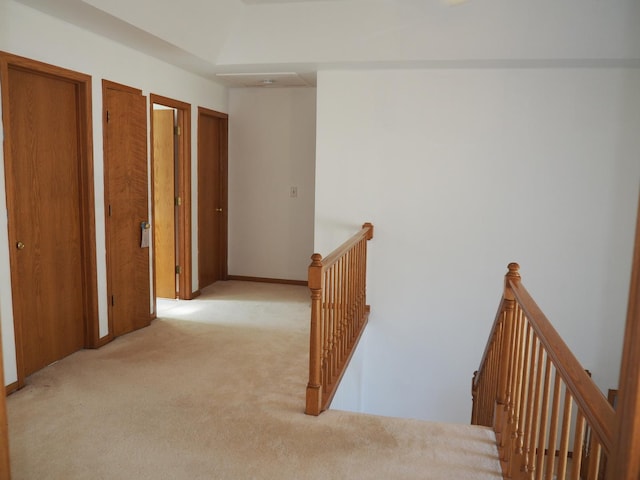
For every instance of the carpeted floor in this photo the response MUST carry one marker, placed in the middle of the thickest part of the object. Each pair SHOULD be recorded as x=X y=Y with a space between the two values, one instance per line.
x=215 y=390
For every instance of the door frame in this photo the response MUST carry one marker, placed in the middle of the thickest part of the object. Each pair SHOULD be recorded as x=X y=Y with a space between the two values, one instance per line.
x=89 y=288
x=184 y=257
x=224 y=183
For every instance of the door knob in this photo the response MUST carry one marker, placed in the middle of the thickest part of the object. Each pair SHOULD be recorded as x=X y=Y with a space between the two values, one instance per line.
x=218 y=209
x=19 y=245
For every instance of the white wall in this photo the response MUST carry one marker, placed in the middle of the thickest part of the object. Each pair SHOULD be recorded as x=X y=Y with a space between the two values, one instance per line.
x=271 y=149
x=461 y=172
x=29 y=33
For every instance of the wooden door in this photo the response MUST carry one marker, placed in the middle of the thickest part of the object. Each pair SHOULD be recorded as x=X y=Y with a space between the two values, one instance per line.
x=127 y=207
x=50 y=211
x=164 y=205
x=182 y=172
x=212 y=197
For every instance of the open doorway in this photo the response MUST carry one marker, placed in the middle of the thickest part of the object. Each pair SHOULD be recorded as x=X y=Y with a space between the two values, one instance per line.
x=171 y=197
x=166 y=251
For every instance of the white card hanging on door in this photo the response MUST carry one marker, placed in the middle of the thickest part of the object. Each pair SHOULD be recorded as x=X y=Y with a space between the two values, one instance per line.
x=145 y=228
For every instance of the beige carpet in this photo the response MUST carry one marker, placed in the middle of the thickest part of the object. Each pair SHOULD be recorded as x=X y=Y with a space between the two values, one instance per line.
x=215 y=390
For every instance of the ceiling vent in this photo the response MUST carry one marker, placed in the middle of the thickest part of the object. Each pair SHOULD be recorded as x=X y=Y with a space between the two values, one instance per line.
x=266 y=80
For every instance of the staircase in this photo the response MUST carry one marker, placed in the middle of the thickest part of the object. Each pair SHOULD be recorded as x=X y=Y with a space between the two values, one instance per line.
x=549 y=418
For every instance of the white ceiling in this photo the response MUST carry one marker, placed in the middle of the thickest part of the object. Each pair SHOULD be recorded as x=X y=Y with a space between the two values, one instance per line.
x=263 y=2
x=244 y=42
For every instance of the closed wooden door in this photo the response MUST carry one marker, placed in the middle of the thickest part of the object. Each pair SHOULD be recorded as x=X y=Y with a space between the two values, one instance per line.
x=164 y=203
x=127 y=208
x=212 y=197
x=46 y=168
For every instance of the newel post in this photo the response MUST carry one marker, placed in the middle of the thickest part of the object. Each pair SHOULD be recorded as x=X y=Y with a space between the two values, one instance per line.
x=314 y=387
x=508 y=319
x=370 y=232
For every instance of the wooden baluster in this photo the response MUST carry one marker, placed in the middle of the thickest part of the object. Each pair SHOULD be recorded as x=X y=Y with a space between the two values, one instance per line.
x=564 y=436
x=535 y=417
x=314 y=388
x=359 y=311
x=578 y=439
x=524 y=395
x=501 y=390
x=522 y=351
x=348 y=326
x=335 y=309
x=337 y=327
x=553 y=428
x=346 y=307
x=328 y=323
x=514 y=382
x=488 y=400
x=542 y=429
x=595 y=450
x=349 y=305
x=502 y=402
x=326 y=305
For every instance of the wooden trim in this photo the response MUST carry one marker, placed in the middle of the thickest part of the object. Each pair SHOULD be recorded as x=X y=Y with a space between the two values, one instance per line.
x=88 y=220
x=89 y=287
x=224 y=172
x=103 y=341
x=624 y=463
x=212 y=113
x=108 y=84
x=5 y=463
x=241 y=278
x=184 y=191
x=12 y=387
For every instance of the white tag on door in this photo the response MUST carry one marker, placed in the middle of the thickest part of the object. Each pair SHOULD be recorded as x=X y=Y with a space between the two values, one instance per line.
x=145 y=228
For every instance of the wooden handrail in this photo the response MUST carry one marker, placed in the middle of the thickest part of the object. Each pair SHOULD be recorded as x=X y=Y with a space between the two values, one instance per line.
x=339 y=314
x=526 y=388
x=625 y=460
x=597 y=411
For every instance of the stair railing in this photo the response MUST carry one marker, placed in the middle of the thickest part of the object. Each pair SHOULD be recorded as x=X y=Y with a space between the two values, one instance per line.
x=551 y=420
x=339 y=313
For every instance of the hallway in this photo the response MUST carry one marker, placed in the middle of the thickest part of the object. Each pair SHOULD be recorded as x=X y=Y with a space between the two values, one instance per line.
x=215 y=390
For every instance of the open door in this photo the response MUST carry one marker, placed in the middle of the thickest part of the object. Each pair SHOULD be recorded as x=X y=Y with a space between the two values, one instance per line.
x=165 y=202
x=127 y=208
x=171 y=193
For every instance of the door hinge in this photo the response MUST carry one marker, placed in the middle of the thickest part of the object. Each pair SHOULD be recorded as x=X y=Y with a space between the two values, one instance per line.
x=109 y=210
x=113 y=302
x=178 y=269
x=176 y=129
x=178 y=201
x=108 y=116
